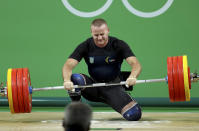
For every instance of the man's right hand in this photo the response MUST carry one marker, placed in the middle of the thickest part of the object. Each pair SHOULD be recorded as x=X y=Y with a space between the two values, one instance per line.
x=68 y=85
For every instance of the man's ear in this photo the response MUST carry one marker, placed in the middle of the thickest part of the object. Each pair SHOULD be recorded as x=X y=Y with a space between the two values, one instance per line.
x=108 y=30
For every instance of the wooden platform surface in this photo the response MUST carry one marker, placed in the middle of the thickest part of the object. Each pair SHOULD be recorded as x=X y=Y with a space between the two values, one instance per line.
x=103 y=121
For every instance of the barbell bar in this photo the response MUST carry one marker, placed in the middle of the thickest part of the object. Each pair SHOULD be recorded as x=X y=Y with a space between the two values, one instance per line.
x=19 y=89
x=99 y=84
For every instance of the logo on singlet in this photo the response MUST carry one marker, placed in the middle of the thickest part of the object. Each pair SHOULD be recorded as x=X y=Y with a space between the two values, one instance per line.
x=109 y=60
x=91 y=60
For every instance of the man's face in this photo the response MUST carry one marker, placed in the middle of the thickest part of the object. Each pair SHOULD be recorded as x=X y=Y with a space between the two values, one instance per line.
x=100 y=35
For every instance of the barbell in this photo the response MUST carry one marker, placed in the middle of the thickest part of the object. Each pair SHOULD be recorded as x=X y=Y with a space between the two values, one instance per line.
x=19 y=89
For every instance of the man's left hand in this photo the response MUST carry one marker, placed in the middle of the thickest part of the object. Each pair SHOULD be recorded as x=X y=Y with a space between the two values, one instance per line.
x=130 y=81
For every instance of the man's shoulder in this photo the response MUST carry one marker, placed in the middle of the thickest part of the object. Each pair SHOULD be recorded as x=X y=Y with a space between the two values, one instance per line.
x=112 y=38
x=116 y=41
x=87 y=42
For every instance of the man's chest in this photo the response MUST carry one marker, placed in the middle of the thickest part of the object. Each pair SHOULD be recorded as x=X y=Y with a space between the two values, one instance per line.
x=102 y=57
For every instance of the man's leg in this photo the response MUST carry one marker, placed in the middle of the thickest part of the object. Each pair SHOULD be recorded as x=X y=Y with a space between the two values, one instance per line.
x=120 y=101
x=90 y=94
x=132 y=111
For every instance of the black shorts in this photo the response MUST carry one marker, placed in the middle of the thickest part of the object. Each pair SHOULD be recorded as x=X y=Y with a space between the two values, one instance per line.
x=115 y=96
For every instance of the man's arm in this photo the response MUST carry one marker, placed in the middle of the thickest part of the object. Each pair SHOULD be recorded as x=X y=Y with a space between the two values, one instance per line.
x=135 y=71
x=67 y=72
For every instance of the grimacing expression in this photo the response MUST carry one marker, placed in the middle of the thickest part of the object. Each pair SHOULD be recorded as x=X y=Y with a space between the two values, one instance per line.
x=100 y=35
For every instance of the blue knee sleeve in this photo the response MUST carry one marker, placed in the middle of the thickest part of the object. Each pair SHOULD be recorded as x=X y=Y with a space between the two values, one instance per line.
x=133 y=114
x=78 y=79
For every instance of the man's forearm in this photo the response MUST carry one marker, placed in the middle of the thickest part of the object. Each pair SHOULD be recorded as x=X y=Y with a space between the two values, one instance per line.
x=66 y=72
x=67 y=69
x=136 y=70
x=135 y=65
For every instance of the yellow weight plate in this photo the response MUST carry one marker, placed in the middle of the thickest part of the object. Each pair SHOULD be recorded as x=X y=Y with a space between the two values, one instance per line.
x=9 y=88
x=186 y=78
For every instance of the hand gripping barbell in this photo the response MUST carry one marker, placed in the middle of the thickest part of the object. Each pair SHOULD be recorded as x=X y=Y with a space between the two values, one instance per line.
x=19 y=89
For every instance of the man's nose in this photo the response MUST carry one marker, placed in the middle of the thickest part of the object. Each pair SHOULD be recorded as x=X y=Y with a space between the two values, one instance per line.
x=99 y=37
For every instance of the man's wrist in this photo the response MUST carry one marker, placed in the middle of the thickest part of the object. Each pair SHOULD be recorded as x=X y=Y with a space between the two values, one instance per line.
x=67 y=80
x=133 y=77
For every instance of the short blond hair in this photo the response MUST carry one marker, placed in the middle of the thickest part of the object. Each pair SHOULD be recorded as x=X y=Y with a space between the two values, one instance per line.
x=98 y=22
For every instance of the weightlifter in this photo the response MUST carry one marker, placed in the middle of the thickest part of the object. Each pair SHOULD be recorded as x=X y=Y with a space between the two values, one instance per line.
x=104 y=55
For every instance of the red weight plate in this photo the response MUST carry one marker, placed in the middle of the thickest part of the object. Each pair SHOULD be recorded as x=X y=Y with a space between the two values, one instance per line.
x=26 y=95
x=181 y=78
x=170 y=79
x=189 y=78
x=29 y=84
x=175 y=78
x=20 y=90
x=14 y=90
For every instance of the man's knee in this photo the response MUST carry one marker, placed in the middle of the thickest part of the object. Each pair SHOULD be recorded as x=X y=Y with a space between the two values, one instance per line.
x=133 y=114
x=77 y=79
